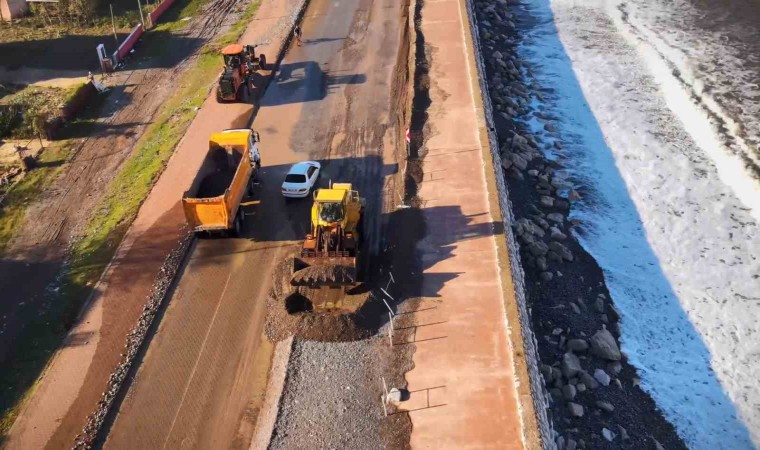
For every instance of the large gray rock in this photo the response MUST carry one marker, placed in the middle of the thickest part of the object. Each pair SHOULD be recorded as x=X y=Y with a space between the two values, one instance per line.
x=605 y=406
x=575 y=409
x=519 y=161
x=546 y=371
x=608 y=435
x=518 y=140
x=614 y=368
x=538 y=248
x=561 y=250
x=568 y=392
x=588 y=380
x=577 y=345
x=556 y=217
x=623 y=433
x=603 y=344
x=602 y=377
x=557 y=234
x=531 y=227
x=571 y=365
x=541 y=222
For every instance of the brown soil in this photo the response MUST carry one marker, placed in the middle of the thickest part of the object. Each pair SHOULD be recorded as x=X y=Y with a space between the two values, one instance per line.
x=285 y=319
x=38 y=253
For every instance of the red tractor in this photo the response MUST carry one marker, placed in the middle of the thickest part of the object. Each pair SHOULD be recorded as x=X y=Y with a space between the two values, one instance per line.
x=236 y=80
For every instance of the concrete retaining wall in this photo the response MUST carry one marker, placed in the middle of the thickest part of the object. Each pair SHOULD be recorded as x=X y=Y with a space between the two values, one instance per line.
x=12 y=9
x=159 y=11
x=128 y=43
x=539 y=394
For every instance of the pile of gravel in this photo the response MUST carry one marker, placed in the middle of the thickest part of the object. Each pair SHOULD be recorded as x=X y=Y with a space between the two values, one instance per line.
x=332 y=398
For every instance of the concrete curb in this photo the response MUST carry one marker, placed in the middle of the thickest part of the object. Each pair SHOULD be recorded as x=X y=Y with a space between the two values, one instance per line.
x=278 y=376
x=537 y=430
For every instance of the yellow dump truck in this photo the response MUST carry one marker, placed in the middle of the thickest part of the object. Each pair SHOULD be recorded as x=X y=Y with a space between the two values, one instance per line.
x=228 y=173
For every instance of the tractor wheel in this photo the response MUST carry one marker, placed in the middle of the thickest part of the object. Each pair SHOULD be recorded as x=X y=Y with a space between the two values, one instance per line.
x=219 y=98
x=263 y=62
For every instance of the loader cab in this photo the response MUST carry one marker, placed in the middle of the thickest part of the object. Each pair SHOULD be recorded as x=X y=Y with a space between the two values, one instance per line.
x=331 y=212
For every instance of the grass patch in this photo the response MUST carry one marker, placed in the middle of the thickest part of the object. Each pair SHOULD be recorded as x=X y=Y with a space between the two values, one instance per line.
x=13 y=207
x=19 y=106
x=135 y=180
x=111 y=219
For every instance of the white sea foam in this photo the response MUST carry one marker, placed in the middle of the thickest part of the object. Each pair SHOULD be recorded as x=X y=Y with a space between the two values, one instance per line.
x=668 y=215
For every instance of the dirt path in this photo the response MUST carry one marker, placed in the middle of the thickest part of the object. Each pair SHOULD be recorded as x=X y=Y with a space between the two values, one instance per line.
x=76 y=378
x=199 y=377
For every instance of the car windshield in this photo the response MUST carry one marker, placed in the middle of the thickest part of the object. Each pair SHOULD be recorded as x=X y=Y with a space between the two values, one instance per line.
x=295 y=178
x=331 y=212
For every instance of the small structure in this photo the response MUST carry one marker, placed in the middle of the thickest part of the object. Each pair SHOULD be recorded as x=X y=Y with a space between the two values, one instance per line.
x=12 y=9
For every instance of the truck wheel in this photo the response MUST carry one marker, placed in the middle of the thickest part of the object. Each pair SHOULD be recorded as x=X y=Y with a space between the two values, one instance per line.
x=237 y=226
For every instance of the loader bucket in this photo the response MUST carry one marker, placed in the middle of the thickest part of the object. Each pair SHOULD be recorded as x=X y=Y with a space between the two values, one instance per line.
x=324 y=271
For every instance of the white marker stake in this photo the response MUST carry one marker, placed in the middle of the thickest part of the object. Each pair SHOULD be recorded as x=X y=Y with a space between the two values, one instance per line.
x=385 y=397
x=390 y=334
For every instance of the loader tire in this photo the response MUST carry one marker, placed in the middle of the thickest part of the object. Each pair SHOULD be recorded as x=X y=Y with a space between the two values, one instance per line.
x=263 y=62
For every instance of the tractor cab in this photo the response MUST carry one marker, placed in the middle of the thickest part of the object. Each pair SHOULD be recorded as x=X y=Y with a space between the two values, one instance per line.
x=240 y=64
x=233 y=55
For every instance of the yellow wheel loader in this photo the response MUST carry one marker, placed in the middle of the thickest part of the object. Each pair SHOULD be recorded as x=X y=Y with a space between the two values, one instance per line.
x=327 y=262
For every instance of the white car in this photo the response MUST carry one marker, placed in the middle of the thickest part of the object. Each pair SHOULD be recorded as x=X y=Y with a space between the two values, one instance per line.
x=301 y=179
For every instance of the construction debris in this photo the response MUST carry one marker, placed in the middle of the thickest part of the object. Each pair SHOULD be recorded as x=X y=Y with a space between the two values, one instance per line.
x=135 y=338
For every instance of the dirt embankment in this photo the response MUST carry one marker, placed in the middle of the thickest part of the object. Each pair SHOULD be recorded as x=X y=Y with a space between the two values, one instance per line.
x=594 y=394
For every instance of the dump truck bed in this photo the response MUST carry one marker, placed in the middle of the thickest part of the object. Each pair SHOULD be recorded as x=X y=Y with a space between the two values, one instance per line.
x=214 y=200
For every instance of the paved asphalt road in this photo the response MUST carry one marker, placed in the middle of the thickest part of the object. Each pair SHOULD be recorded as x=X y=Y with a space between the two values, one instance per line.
x=201 y=380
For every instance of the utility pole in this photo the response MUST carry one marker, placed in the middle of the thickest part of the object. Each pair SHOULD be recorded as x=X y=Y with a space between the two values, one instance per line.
x=142 y=19
x=113 y=26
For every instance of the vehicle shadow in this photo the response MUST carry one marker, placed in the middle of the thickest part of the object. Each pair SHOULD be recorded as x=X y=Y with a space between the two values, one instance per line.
x=303 y=82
